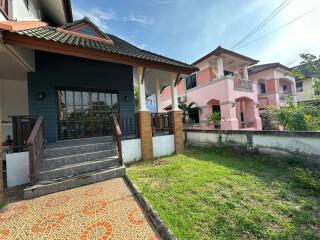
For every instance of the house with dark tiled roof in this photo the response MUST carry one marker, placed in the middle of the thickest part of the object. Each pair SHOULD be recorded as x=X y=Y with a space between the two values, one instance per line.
x=68 y=114
x=221 y=86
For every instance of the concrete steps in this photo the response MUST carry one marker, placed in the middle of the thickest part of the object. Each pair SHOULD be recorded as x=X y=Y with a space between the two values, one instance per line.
x=75 y=163
x=61 y=184
x=78 y=168
x=56 y=162
x=72 y=150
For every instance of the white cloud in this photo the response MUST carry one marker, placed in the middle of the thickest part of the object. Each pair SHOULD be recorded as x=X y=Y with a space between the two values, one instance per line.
x=97 y=16
x=141 y=19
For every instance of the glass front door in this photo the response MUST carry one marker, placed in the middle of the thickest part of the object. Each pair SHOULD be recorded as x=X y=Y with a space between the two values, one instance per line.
x=84 y=114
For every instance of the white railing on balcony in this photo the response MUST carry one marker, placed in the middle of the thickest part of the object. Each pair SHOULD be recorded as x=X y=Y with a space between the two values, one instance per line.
x=242 y=84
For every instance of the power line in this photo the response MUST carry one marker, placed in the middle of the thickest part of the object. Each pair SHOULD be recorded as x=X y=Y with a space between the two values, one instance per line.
x=282 y=6
x=279 y=28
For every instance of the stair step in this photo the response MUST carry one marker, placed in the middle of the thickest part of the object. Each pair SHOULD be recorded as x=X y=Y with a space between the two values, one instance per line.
x=52 y=152
x=78 y=168
x=82 y=141
x=51 y=163
x=60 y=184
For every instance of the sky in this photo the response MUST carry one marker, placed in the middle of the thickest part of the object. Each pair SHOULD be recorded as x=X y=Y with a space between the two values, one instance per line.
x=188 y=29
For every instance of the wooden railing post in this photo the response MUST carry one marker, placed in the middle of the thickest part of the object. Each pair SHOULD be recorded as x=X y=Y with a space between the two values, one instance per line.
x=117 y=135
x=36 y=144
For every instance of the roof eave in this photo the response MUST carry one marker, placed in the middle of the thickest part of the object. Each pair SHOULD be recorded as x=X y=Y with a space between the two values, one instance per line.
x=220 y=50
x=272 y=66
x=67 y=49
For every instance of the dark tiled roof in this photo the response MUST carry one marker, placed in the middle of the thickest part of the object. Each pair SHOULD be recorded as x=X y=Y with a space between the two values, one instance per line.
x=263 y=67
x=119 y=46
x=220 y=50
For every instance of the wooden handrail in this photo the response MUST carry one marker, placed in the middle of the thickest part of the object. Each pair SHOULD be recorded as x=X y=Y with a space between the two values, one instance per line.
x=117 y=135
x=36 y=144
x=160 y=122
x=22 y=126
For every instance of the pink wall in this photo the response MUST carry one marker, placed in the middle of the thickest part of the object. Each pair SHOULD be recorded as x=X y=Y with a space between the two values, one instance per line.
x=181 y=87
x=205 y=76
x=272 y=86
x=166 y=94
x=222 y=91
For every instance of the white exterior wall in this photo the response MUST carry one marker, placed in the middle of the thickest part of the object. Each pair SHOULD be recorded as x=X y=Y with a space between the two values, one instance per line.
x=307 y=93
x=210 y=139
x=131 y=150
x=300 y=144
x=20 y=11
x=276 y=143
x=163 y=146
x=17 y=169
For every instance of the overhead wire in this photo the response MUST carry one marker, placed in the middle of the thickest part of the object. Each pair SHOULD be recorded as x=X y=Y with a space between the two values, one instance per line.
x=280 y=8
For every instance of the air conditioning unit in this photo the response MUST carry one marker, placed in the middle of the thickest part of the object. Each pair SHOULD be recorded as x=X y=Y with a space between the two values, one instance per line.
x=182 y=98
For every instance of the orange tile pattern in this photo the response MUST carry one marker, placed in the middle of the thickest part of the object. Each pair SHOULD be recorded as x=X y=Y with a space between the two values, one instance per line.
x=105 y=210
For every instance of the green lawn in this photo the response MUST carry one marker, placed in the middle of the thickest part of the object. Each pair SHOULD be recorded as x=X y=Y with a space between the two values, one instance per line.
x=223 y=194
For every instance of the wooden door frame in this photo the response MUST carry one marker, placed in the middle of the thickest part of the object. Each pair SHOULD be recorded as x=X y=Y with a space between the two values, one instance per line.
x=82 y=89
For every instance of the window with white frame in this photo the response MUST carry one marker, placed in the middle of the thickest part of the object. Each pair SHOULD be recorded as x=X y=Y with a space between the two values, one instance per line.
x=191 y=81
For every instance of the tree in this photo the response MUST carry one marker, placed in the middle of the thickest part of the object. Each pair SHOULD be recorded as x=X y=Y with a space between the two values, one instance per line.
x=186 y=108
x=136 y=97
x=310 y=65
x=300 y=117
x=214 y=118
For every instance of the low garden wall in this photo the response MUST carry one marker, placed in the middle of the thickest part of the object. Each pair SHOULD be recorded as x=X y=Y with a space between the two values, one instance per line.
x=273 y=142
x=162 y=146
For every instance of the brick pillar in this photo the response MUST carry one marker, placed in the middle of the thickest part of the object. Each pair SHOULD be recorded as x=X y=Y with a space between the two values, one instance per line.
x=145 y=131
x=177 y=130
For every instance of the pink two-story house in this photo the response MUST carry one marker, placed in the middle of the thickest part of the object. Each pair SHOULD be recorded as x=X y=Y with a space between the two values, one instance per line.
x=275 y=84
x=221 y=85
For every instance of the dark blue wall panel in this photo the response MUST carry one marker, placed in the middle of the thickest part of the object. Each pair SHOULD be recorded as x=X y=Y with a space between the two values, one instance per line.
x=54 y=70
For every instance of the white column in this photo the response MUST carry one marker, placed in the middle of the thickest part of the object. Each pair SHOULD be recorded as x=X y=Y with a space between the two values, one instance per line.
x=294 y=92
x=174 y=96
x=220 y=71
x=245 y=73
x=138 y=75
x=158 y=100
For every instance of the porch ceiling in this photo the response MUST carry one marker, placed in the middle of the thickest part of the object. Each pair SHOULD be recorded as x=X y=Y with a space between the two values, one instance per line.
x=230 y=63
x=152 y=75
x=9 y=68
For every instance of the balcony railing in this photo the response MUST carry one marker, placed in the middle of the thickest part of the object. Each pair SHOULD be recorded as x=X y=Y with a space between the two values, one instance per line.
x=283 y=97
x=242 y=84
x=160 y=123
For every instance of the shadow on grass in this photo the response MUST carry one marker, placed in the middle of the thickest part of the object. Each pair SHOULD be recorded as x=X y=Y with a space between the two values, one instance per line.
x=291 y=169
x=280 y=190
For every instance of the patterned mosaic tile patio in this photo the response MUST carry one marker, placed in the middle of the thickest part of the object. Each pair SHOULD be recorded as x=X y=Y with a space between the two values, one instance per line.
x=105 y=210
